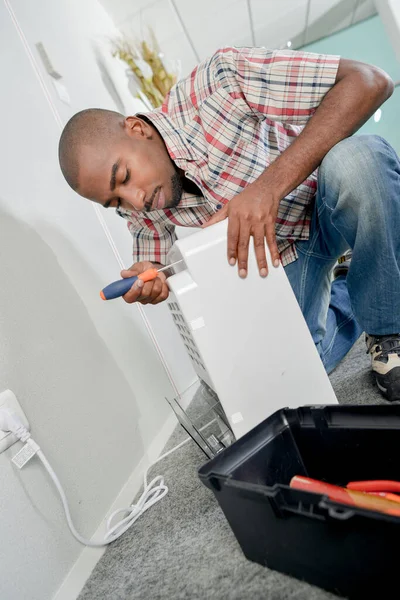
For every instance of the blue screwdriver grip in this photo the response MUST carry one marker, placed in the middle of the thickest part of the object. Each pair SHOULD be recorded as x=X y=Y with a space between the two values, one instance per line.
x=118 y=288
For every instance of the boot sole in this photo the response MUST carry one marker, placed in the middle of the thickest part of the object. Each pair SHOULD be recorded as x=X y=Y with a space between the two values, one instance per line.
x=389 y=384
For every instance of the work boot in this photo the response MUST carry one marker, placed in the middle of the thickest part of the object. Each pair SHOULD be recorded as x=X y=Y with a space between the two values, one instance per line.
x=385 y=362
x=343 y=264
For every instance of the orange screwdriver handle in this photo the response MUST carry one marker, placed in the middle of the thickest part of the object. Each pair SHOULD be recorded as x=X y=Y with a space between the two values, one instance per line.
x=122 y=286
x=148 y=275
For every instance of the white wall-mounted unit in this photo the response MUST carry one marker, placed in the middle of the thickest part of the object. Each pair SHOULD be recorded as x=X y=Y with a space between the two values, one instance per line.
x=247 y=339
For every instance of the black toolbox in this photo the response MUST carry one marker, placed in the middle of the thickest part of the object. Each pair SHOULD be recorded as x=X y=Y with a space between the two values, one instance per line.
x=349 y=551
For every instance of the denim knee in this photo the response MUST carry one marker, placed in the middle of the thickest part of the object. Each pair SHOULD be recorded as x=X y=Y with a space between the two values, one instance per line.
x=355 y=155
x=357 y=166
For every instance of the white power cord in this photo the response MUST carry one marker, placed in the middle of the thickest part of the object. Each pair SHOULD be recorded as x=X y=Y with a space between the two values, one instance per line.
x=152 y=493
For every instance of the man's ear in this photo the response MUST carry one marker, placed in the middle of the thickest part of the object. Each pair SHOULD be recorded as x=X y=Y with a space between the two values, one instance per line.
x=134 y=127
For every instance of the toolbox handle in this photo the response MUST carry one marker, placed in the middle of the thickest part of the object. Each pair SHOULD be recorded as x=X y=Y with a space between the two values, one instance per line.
x=340 y=513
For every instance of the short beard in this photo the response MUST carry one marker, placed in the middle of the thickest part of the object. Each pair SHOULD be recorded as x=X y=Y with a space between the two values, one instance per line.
x=177 y=189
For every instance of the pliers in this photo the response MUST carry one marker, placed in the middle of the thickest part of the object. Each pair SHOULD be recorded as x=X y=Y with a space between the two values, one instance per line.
x=384 y=488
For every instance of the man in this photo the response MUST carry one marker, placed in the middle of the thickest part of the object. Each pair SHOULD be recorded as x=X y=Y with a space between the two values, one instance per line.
x=241 y=138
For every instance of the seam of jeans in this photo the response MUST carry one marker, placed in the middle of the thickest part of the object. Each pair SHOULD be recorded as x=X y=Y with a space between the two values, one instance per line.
x=326 y=206
x=310 y=253
x=307 y=255
x=337 y=329
x=312 y=244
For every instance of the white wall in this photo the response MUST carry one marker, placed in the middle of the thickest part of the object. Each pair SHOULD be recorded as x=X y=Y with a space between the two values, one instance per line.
x=389 y=12
x=72 y=32
x=86 y=372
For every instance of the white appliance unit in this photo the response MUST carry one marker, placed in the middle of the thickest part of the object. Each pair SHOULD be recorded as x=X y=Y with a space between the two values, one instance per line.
x=247 y=338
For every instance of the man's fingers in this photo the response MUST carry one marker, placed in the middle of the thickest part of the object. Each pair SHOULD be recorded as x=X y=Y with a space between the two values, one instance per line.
x=134 y=293
x=155 y=290
x=125 y=273
x=272 y=245
x=159 y=293
x=233 y=239
x=150 y=290
x=259 y=249
x=162 y=296
x=243 y=248
x=136 y=269
x=221 y=215
x=140 y=292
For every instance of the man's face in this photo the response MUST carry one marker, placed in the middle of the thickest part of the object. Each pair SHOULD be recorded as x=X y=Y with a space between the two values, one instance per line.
x=133 y=171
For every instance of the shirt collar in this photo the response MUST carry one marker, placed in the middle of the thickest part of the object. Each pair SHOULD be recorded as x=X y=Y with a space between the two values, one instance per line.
x=187 y=201
x=174 y=137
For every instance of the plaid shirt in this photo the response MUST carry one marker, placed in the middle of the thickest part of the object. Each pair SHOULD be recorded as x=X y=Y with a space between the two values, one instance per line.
x=223 y=125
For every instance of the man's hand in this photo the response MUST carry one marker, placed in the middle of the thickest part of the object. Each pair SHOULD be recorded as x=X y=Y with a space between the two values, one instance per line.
x=151 y=292
x=252 y=213
x=359 y=90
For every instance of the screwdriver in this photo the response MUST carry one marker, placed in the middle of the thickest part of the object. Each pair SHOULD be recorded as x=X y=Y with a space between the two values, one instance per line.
x=120 y=287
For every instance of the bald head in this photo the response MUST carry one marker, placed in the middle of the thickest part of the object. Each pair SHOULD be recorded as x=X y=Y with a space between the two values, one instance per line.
x=119 y=162
x=93 y=127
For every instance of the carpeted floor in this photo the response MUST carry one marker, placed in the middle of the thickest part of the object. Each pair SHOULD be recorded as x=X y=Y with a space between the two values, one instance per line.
x=183 y=549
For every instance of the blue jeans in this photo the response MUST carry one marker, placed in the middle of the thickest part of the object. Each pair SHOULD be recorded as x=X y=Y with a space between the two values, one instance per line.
x=357 y=206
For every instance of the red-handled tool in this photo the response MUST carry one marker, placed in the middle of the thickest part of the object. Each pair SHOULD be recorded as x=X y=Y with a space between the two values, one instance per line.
x=387 y=495
x=346 y=496
x=375 y=485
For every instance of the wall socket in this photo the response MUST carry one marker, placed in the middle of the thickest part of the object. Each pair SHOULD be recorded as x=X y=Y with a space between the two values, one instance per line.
x=8 y=400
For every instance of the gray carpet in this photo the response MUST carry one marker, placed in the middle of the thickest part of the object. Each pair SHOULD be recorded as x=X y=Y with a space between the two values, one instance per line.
x=183 y=548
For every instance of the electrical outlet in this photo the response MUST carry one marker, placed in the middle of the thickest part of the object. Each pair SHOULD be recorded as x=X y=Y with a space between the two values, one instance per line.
x=9 y=401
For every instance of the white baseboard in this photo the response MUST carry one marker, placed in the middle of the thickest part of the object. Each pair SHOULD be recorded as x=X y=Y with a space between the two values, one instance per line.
x=89 y=557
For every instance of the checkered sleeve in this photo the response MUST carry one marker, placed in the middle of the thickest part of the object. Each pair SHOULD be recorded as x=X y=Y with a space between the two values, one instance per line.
x=283 y=85
x=151 y=240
